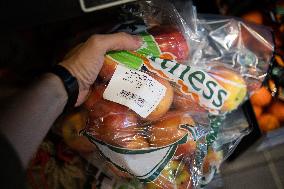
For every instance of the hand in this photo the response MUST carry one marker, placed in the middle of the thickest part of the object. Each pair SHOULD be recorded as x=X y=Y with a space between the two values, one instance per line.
x=85 y=61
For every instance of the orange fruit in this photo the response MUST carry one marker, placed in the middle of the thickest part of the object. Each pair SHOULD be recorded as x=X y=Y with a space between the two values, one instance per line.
x=279 y=60
x=272 y=86
x=253 y=16
x=268 y=122
x=261 y=97
x=257 y=111
x=277 y=109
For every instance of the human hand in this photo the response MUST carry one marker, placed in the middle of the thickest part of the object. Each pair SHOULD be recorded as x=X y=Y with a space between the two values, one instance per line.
x=85 y=61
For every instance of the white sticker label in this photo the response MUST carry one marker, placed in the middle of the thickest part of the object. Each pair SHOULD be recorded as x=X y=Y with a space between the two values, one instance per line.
x=135 y=89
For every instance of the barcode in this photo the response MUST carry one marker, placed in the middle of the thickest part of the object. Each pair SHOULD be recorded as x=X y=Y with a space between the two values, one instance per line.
x=140 y=79
x=133 y=97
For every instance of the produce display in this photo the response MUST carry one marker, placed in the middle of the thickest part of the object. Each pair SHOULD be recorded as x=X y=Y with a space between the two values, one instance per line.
x=268 y=101
x=55 y=165
x=268 y=111
x=159 y=114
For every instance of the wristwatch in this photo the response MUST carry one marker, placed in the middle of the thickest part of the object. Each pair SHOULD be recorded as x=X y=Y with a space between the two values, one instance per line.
x=70 y=84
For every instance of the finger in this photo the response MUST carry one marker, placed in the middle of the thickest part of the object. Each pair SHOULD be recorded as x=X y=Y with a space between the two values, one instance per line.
x=117 y=41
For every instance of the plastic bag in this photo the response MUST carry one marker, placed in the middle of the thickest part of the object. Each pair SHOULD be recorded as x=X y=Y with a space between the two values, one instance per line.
x=154 y=114
x=246 y=49
x=222 y=143
x=243 y=47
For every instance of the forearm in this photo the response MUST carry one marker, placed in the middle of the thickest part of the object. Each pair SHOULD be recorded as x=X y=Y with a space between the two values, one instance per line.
x=31 y=115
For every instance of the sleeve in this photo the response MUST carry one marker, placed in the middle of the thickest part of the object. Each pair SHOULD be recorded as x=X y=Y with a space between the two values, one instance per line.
x=11 y=171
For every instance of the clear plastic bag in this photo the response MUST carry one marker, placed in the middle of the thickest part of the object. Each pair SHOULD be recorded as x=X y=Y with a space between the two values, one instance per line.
x=222 y=143
x=242 y=47
x=157 y=114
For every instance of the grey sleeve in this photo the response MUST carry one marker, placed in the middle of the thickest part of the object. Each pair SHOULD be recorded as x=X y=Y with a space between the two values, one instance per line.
x=31 y=114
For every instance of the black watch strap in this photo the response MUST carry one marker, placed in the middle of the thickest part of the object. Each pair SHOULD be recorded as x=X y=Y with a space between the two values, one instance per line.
x=70 y=84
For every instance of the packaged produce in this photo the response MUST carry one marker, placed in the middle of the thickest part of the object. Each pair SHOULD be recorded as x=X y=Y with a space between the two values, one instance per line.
x=159 y=114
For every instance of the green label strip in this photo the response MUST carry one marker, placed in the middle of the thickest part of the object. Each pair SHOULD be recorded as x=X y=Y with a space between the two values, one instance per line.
x=127 y=58
x=149 y=48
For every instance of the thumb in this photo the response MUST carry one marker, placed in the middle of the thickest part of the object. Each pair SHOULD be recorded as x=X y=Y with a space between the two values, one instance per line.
x=118 y=41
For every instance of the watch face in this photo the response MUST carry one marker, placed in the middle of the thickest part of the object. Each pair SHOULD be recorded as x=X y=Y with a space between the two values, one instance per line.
x=93 y=5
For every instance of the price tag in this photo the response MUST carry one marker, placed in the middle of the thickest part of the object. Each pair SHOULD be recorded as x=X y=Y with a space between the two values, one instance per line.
x=135 y=89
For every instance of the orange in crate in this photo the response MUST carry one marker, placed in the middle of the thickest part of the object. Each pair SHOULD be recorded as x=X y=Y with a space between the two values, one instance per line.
x=261 y=97
x=253 y=16
x=277 y=109
x=268 y=122
x=257 y=111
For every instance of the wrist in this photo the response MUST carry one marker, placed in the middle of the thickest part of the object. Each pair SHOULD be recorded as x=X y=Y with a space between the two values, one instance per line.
x=83 y=78
x=54 y=83
x=70 y=84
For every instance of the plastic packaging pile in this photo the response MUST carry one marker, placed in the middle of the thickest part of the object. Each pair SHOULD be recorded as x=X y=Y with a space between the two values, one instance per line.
x=167 y=114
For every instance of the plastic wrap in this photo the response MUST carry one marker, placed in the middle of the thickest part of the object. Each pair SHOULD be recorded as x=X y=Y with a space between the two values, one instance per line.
x=245 y=48
x=160 y=114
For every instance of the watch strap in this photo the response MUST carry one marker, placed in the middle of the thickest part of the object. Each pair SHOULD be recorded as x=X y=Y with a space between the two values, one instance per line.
x=70 y=84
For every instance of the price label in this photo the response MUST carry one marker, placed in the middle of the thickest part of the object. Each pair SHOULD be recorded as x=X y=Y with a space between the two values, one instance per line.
x=135 y=89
